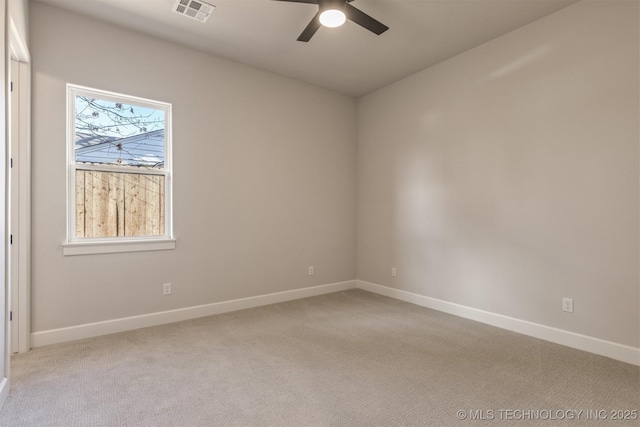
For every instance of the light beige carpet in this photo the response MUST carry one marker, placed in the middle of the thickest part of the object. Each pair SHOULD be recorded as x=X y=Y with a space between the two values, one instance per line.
x=346 y=359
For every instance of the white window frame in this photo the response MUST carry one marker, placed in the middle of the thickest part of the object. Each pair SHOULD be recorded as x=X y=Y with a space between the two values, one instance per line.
x=97 y=245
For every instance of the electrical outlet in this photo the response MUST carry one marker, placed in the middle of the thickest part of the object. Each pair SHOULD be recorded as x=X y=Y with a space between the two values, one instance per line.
x=166 y=289
x=311 y=270
x=393 y=272
x=567 y=305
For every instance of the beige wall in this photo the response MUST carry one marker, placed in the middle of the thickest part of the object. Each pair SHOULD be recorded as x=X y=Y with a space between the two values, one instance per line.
x=506 y=178
x=264 y=178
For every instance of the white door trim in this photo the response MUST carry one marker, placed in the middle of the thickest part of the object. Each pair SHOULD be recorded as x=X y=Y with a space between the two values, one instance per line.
x=13 y=206
x=24 y=202
x=4 y=212
x=21 y=228
x=20 y=264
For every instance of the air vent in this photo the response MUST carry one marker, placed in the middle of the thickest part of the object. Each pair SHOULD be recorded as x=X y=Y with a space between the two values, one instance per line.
x=194 y=9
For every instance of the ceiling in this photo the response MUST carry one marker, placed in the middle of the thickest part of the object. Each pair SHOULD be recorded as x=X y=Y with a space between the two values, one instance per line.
x=348 y=59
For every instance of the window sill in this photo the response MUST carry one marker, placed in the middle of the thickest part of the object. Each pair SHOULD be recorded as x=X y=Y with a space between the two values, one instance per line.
x=89 y=248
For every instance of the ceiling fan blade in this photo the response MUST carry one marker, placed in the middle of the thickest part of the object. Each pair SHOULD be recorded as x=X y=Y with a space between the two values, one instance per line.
x=364 y=20
x=301 y=1
x=311 y=29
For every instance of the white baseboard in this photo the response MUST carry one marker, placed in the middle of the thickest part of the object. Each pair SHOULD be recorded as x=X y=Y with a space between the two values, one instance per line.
x=610 y=349
x=88 y=330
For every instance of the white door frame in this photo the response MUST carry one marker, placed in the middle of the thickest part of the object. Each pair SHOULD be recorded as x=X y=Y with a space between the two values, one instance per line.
x=20 y=224
x=4 y=294
x=13 y=216
x=11 y=44
x=20 y=205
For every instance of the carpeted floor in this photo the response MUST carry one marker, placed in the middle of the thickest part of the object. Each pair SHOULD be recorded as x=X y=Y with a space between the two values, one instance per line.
x=346 y=359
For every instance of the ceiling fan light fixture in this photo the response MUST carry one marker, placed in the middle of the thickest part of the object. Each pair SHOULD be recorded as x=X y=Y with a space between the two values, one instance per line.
x=333 y=13
x=332 y=18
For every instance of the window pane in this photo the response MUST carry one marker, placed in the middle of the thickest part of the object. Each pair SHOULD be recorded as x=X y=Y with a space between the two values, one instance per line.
x=110 y=204
x=114 y=133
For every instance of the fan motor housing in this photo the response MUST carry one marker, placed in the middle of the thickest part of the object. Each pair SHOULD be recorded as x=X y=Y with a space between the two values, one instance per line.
x=332 y=4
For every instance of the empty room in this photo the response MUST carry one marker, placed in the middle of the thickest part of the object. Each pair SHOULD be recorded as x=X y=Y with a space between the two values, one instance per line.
x=320 y=213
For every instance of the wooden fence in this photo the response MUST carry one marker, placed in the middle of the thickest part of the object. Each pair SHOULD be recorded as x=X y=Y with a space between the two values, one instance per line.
x=112 y=204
